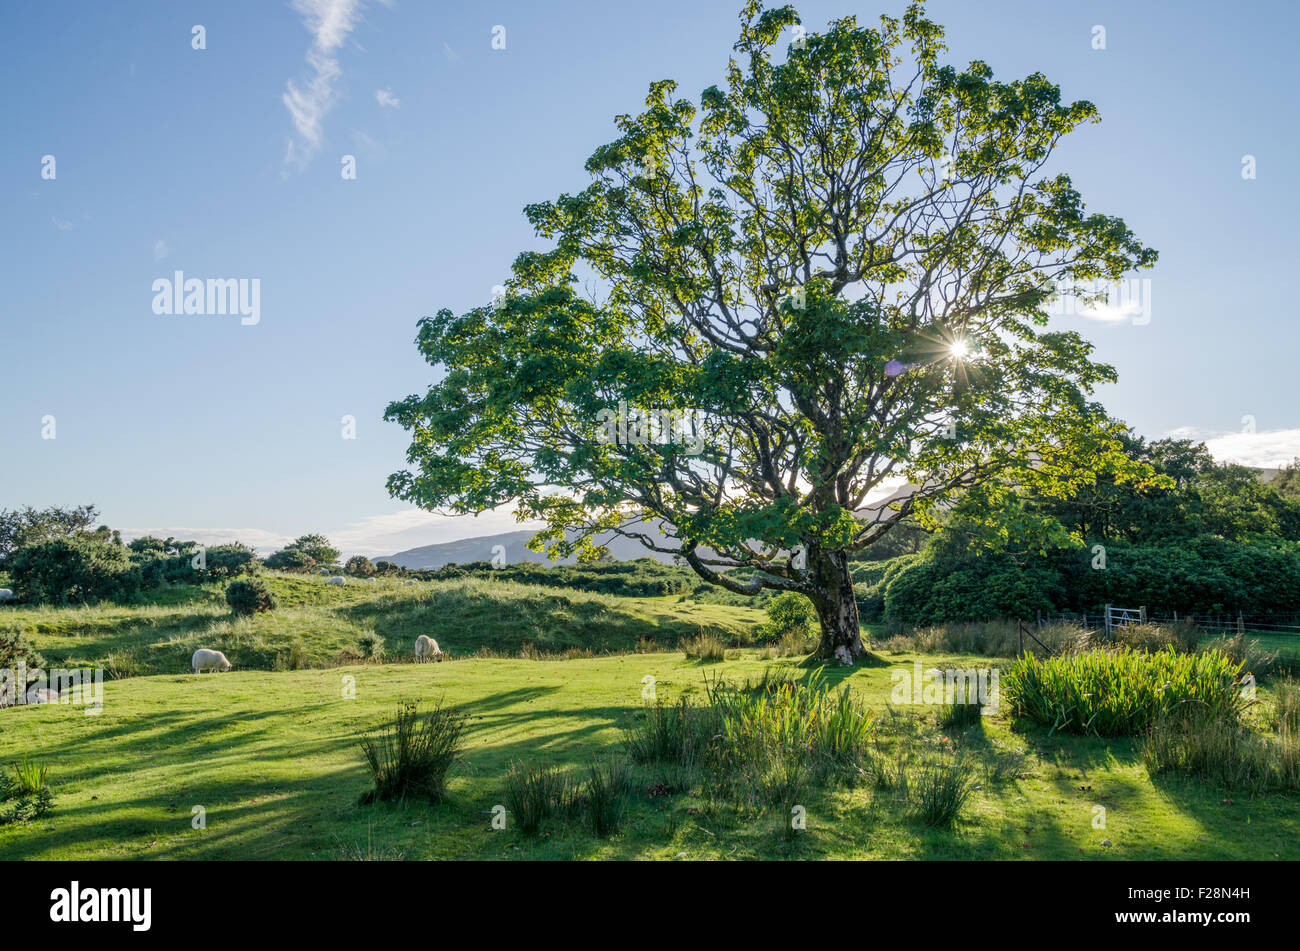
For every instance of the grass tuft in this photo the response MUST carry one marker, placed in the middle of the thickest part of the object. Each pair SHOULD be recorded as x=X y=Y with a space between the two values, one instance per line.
x=412 y=757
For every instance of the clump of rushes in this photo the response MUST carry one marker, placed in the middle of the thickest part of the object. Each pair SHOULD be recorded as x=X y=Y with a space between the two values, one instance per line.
x=939 y=791
x=533 y=794
x=24 y=793
x=964 y=709
x=1118 y=693
x=412 y=757
x=1225 y=752
x=606 y=796
x=704 y=647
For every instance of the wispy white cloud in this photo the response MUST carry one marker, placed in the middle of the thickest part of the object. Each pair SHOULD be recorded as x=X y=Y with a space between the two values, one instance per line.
x=385 y=97
x=160 y=249
x=451 y=54
x=1264 y=450
x=329 y=22
x=61 y=223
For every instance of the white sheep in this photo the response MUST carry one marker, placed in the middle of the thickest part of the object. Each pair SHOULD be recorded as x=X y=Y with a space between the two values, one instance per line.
x=407 y=584
x=204 y=659
x=6 y=594
x=425 y=648
x=337 y=580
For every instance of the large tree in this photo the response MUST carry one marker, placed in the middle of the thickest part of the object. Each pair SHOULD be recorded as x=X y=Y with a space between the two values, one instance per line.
x=316 y=547
x=28 y=526
x=830 y=275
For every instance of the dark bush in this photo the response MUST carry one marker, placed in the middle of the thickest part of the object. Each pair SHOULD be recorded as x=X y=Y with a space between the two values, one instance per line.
x=249 y=597
x=77 y=570
x=359 y=566
x=290 y=559
x=1202 y=575
x=933 y=591
x=229 y=561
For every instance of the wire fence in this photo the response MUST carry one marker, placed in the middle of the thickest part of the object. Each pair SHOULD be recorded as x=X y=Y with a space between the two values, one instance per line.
x=1283 y=626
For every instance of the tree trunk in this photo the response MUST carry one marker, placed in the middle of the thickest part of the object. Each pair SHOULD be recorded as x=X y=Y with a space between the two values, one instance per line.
x=837 y=609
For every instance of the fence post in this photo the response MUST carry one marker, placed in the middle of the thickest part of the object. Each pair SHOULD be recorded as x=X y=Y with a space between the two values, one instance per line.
x=1040 y=620
x=1175 y=617
x=1108 y=622
x=1143 y=609
x=1241 y=624
x=1020 y=637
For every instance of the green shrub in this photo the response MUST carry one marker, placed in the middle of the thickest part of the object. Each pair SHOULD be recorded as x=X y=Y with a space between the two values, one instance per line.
x=412 y=757
x=230 y=561
x=936 y=590
x=15 y=649
x=290 y=559
x=359 y=566
x=1196 y=575
x=1116 y=693
x=249 y=597
x=76 y=570
x=788 y=613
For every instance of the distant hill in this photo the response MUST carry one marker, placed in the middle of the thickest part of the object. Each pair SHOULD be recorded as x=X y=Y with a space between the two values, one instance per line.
x=480 y=548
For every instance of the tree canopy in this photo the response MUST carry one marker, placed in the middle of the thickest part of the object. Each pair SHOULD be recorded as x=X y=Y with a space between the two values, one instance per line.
x=826 y=277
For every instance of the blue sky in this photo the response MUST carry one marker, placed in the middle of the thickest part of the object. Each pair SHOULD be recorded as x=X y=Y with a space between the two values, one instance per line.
x=169 y=158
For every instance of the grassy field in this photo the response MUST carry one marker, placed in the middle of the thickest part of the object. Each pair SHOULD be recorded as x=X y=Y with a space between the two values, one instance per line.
x=274 y=760
x=318 y=624
x=271 y=751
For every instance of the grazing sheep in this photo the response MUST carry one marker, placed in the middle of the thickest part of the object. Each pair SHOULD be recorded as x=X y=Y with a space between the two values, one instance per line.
x=338 y=580
x=324 y=571
x=425 y=648
x=209 y=660
x=407 y=584
x=6 y=594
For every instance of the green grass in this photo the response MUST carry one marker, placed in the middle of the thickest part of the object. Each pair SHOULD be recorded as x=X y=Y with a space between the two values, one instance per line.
x=272 y=751
x=274 y=759
x=318 y=625
x=1286 y=645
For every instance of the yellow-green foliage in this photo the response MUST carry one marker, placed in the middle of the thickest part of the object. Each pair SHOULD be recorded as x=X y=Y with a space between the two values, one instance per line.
x=1116 y=693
